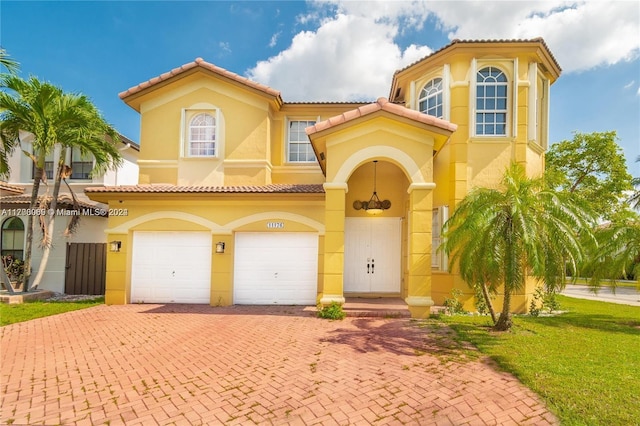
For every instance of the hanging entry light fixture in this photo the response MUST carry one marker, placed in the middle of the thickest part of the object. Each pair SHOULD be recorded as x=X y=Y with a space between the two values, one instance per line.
x=374 y=206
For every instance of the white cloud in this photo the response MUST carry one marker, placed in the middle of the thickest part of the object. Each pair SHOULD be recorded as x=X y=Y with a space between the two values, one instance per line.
x=348 y=58
x=353 y=52
x=581 y=35
x=351 y=56
x=225 y=48
x=274 y=39
x=630 y=84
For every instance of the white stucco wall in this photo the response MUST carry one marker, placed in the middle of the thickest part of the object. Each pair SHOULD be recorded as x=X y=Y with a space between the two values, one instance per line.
x=91 y=230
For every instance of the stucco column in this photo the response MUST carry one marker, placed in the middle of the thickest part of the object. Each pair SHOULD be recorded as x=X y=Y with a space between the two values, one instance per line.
x=116 y=292
x=221 y=269
x=419 y=256
x=333 y=270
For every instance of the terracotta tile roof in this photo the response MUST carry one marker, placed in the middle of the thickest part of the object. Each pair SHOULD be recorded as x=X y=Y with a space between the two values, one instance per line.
x=199 y=62
x=244 y=189
x=64 y=201
x=8 y=187
x=382 y=104
x=328 y=103
x=457 y=41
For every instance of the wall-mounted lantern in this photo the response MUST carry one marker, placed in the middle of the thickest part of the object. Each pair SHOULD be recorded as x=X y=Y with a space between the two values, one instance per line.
x=114 y=246
x=220 y=247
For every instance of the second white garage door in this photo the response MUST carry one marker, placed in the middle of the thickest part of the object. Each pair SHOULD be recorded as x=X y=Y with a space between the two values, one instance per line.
x=276 y=268
x=171 y=267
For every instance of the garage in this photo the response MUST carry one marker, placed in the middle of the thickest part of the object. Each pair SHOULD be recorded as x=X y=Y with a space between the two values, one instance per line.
x=276 y=268
x=171 y=267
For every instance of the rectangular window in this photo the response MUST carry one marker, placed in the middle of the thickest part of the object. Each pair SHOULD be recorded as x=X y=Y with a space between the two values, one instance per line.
x=438 y=258
x=81 y=165
x=48 y=167
x=298 y=145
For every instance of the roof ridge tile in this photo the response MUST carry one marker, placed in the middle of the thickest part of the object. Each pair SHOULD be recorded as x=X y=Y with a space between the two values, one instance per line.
x=199 y=62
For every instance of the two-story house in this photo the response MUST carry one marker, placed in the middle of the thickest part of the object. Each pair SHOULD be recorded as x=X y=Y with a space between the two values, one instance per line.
x=244 y=198
x=75 y=260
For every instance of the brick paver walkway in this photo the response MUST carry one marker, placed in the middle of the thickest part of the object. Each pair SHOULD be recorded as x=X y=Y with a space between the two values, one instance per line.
x=191 y=365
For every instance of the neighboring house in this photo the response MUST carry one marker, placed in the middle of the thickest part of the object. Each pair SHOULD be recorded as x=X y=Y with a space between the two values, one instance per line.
x=246 y=199
x=16 y=196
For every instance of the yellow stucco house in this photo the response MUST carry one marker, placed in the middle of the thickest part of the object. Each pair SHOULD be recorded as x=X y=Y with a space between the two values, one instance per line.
x=246 y=199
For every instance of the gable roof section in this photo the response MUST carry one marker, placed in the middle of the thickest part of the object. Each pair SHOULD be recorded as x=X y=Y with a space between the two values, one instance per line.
x=317 y=132
x=382 y=104
x=198 y=64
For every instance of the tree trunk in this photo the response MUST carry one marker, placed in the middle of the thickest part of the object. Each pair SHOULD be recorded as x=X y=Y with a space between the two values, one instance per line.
x=487 y=299
x=29 y=242
x=504 y=322
x=48 y=237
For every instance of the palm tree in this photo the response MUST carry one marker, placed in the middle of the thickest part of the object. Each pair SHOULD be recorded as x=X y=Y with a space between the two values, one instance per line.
x=617 y=254
x=53 y=118
x=10 y=64
x=635 y=197
x=499 y=236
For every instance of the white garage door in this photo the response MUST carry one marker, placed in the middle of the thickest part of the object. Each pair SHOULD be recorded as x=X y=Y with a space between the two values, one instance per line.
x=171 y=267
x=276 y=268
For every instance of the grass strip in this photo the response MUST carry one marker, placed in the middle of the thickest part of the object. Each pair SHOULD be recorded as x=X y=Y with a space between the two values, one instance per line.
x=585 y=363
x=11 y=314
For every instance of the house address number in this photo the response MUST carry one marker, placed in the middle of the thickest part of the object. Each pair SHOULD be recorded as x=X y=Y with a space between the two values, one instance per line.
x=275 y=225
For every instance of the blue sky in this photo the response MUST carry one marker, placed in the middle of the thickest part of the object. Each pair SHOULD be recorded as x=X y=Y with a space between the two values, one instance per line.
x=332 y=51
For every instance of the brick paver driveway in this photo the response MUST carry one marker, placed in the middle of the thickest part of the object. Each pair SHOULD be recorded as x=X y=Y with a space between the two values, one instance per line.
x=190 y=364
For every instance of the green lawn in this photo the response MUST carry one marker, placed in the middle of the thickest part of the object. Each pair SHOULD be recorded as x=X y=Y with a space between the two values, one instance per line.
x=585 y=363
x=10 y=314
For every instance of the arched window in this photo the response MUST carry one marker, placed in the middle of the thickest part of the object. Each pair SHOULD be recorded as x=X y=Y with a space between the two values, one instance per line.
x=13 y=238
x=491 y=102
x=430 y=99
x=202 y=136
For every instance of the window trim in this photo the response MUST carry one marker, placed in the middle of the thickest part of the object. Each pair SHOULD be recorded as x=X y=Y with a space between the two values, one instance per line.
x=48 y=166
x=495 y=110
x=13 y=231
x=72 y=162
x=205 y=142
x=439 y=259
x=439 y=92
x=188 y=114
x=287 y=140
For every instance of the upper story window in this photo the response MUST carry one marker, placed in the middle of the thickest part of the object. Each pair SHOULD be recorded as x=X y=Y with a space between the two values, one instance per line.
x=48 y=167
x=202 y=136
x=299 y=149
x=491 y=102
x=81 y=165
x=430 y=99
x=13 y=238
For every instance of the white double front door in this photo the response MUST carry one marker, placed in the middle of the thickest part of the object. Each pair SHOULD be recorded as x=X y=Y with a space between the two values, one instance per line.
x=372 y=247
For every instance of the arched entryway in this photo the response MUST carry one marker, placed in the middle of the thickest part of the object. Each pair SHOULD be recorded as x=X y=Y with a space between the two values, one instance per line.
x=374 y=244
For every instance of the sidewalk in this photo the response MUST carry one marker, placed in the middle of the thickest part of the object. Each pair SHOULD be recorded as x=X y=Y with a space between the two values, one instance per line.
x=622 y=295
